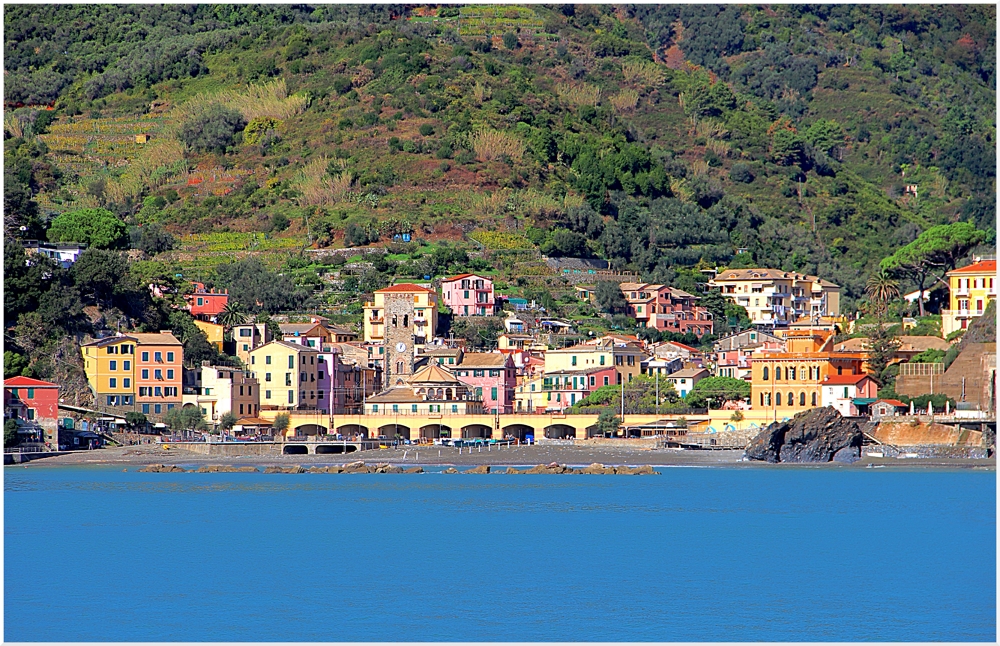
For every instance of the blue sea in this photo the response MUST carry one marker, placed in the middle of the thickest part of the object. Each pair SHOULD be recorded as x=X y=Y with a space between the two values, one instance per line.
x=720 y=554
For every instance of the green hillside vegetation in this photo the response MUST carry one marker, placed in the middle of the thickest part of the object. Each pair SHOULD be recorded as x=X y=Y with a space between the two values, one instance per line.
x=664 y=139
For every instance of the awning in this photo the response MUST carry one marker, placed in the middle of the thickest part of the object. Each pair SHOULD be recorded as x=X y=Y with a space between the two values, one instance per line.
x=864 y=401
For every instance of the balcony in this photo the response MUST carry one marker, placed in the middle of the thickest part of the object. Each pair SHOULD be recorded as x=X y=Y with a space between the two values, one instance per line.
x=961 y=313
x=376 y=320
x=961 y=291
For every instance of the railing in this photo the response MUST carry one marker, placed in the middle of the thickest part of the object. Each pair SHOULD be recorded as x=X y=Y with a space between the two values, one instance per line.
x=962 y=312
x=25 y=449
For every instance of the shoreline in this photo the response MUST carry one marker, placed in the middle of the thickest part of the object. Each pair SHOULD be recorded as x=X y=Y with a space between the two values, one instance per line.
x=522 y=456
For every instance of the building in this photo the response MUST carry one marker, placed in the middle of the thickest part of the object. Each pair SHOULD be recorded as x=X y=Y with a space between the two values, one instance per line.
x=665 y=308
x=469 y=295
x=684 y=380
x=784 y=383
x=746 y=338
x=206 y=303
x=313 y=335
x=215 y=333
x=287 y=374
x=847 y=393
x=661 y=366
x=110 y=367
x=34 y=402
x=970 y=289
x=491 y=376
x=887 y=408
x=559 y=390
x=431 y=390
x=159 y=372
x=414 y=308
x=63 y=253
x=732 y=354
x=249 y=336
x=778 y=298
x=625 y=358
x=218 y=390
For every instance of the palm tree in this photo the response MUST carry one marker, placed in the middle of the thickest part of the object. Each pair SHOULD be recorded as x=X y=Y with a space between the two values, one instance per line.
x=881 y=290
x=232 y=314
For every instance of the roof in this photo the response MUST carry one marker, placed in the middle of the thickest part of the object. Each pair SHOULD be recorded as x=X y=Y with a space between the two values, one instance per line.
x=857 y=344
x=160 y=338
x=461 y=276
x=921 y=343
x=892 y=402
x=252 y=421
x=404 y=288
x=100 y=343
x=397 y=394
x=483 y=359
x=301 y=328
x=844 y=380
x=20 y=382
x=286 y=344
x=571 y=373
x=681 y=345
x=687 y=373
x=433 y=373
x=769 y=274
x=981 y=267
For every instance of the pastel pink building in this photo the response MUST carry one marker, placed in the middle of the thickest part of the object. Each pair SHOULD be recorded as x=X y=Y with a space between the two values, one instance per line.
x=469 y=295
x=665 y=308
x=492 y=376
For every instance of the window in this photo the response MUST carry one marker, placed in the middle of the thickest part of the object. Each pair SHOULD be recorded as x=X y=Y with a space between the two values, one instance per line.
x=814 y=399
x=288 y=379
x=145 y=409
x=143 y=391
x=170 y=357
x=845 y=392
x=777 y=399
x=791 y=373
x=374 y=408
x=413 y=408
x=201 y=301
x=145 y=356
x=158 y=357
x=765 y=373
x=605 y=380
x=112 y=365
x=126 y=383
x=267 y=360
x=777 y=373
x=802 y=399
x=593 y=381
x=157 y=374
x=246 y=332
x=572 y=361
x=113 y=349
x=291 y=361
x=126 y=365
x=267 y=376
x=319 y=394
x=840 y=370
x=631 y=361
x=112 y=383
x=291 y=396
x=267 y=394
x=454 y=408
x=312 y=394
x=241 y=409
x=791 y=399
x=157 y=391
x=158 y=408
x=493 y=394
x=170 y=373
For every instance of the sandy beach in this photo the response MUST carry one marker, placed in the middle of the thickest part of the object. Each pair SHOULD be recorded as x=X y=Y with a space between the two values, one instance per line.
x=137 y=456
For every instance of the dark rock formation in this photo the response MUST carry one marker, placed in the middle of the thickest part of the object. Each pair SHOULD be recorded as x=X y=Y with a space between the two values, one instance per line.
x=815 y=435
x=414 y=470
x=483 y=468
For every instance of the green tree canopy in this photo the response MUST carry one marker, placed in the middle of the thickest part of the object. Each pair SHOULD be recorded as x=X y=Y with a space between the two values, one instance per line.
x=609 y=297
x=212 y=130
x=98 y=228
x=715 y=391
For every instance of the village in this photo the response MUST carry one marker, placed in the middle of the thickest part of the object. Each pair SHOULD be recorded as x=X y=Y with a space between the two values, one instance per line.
x=301 y=378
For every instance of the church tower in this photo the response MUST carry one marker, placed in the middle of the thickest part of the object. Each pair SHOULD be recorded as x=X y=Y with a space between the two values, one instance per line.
x=399 y=352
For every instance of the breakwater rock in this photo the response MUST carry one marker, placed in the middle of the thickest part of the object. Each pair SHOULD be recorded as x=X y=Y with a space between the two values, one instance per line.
x=161 y=468
x=817 y=435
x=220 y=468
x=484 y=468
x=593 y=469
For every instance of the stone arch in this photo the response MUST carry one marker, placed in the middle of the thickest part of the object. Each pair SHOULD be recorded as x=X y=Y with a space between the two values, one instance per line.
x=348 y=430
x=335 y=448
x=477 y=430
x=435 y=431
x=519 y=431
x=295 y=449
x=390 y=430
x=310 y=429
x=560 y=431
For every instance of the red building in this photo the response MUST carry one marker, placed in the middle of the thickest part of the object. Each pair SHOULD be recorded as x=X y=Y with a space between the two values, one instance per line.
x=33 y=401
x=205 y=303
x=665 y=308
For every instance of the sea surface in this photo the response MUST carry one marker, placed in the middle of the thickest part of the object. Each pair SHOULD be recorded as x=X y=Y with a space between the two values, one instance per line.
x=721 y=554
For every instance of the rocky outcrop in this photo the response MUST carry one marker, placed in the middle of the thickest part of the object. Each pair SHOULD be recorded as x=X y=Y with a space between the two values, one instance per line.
x=598 y=469
x=817 y=435
x=513 y=471
x=483 y=468
x=450 y=470
x=292 y=469
x=221 y=468
x=414 y=470
x=161 y=468
x=355 y=467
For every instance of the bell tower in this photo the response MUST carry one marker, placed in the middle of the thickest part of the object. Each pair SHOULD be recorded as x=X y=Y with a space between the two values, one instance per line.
x=399 y=353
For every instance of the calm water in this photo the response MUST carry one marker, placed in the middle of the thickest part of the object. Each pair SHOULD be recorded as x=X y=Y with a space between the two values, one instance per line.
x=757 y=554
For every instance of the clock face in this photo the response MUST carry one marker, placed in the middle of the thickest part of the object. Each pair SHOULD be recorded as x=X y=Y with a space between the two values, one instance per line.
x=400 y=347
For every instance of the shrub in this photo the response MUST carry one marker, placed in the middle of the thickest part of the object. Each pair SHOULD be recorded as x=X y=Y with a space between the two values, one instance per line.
x=510 y=40
x=258 y=128
x=426 y=130
x=98 y=228
x=741 y=173
x=214 y=129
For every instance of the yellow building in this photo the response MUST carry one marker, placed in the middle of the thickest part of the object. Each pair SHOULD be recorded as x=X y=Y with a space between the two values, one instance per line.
x=110 y=367
x=215 y=332
x=286 y=374
x=786 y=383
x=413 y=307
x=972 y=288
x=626 y=358
x=775 y=297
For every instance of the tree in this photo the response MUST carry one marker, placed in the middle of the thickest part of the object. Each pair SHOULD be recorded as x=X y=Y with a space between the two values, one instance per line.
x=196 y=346
x=935 y=252
x=607 y=422
x=715 y=391
x=610 y=298
x=98 y=228
x=136 y=420
x=212 y=130
x=227 y=421
x=10 y=435
x=188 y=418
x=258 y=288
x=14 y=364
x=151 y=239
x=232 y=314
x=280 y=424
x=881 y=290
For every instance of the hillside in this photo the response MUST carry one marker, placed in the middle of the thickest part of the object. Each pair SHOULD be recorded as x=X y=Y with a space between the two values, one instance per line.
x=808 y=138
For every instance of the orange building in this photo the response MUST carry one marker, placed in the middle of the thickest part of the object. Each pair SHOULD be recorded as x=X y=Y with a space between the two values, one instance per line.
x=786 y=383
x=159 y=360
